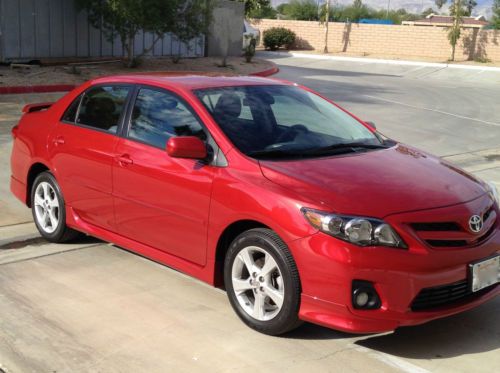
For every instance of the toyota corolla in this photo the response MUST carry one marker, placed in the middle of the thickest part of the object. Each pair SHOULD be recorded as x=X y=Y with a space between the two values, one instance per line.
x=300 y=210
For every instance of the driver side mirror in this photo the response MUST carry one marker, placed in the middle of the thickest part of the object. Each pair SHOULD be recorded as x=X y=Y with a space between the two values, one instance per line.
x=186 y=147
x=372 y=125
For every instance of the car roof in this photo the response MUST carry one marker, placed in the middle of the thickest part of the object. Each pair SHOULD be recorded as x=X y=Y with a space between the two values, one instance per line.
x=188 y=81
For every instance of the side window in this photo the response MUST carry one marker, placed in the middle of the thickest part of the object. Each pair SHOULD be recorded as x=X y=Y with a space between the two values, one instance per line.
x=70 y=113
x=102 y=106
x=159 y=115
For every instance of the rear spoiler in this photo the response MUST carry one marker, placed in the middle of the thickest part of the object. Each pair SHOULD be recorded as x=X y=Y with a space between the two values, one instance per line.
x=37 y=107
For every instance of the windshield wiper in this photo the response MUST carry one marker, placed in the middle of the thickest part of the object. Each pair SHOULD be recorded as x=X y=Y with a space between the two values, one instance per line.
x=344 y=147
x=274 y=153
x=333 y=149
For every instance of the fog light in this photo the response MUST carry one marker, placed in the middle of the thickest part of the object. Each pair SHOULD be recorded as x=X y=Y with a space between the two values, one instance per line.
x=361 y=299
x=364 y=295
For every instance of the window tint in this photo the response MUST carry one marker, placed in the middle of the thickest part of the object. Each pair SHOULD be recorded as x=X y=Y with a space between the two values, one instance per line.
x=70 y=114
x=102 y=107
x=159 y=115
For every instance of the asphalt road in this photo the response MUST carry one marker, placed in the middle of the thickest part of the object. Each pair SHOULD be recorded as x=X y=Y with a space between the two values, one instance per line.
x=448 y=112
x=93 y=307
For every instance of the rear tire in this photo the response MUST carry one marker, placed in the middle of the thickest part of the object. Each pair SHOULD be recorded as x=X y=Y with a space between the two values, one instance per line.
x=49 y=210
x=262 y=282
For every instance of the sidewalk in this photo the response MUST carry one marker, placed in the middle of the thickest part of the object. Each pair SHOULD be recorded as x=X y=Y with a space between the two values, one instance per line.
x=367 y=60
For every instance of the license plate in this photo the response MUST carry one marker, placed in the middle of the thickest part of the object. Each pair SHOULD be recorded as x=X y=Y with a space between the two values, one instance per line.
x=485 y=273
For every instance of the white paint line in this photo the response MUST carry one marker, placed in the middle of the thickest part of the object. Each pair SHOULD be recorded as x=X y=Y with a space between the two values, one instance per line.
x=383 y=61
x=392 y=361
x=433 y=110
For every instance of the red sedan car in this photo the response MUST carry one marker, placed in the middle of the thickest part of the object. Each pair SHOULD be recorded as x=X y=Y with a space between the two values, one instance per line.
x=299 y=209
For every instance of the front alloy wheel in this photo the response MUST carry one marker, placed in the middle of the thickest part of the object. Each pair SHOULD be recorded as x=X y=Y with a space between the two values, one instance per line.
x=262 y=282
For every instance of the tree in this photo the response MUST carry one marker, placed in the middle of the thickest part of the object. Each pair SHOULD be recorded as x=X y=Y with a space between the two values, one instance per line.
x=326 y=19
x=266 y=11
x=469 y=5
x=254 y=5
x=357 y=3
x=440 y=3
x=458 y=8
x=457 y=11
x=495 y=20
x=186 y=19
x=428 y=11
x=304 y=10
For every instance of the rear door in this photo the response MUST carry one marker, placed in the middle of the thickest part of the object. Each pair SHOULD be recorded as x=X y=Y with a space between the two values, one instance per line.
x=161 y=201
x=82 y=150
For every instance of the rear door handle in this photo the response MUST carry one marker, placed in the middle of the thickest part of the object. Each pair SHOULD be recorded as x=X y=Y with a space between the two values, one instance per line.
x=59 y=140
x=124 y=160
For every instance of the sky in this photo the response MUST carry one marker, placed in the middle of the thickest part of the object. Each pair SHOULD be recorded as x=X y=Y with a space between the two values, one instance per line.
x=416 y=6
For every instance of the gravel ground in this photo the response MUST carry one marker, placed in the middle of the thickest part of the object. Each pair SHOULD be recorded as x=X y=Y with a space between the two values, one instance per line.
x=77 y=74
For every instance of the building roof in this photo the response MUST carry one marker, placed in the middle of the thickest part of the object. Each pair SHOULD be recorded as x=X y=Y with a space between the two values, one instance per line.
x=444 y=21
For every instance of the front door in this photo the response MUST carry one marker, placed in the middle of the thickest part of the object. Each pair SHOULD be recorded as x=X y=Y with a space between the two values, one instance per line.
x=161 y=201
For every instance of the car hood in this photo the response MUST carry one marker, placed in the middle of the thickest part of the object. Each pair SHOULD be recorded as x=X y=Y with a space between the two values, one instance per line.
x=376 y=183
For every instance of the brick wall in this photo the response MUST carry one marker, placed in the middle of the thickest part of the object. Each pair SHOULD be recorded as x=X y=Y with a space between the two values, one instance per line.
x=395 y=40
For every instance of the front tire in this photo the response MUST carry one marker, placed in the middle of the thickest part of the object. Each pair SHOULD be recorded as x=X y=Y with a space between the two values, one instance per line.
x=262 y=282
x=48 y=209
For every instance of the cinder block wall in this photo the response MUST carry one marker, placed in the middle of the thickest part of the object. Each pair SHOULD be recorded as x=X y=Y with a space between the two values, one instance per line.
x=395 y=40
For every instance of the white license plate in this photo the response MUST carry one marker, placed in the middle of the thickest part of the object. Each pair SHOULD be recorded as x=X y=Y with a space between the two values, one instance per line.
x=485 y=273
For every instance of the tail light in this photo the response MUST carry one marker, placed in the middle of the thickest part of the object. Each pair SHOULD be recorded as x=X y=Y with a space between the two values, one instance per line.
x=14 y=131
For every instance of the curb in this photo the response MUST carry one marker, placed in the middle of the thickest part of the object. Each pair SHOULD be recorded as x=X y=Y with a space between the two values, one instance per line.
x=382 y=61
x=36 y=89
x=271 y=71
x=68 y=87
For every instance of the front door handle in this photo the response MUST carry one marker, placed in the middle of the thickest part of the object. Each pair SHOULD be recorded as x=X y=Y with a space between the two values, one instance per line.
x=59 y=140
x=124 y=160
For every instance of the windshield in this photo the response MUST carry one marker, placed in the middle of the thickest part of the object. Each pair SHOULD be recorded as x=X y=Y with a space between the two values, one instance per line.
x=286 y=121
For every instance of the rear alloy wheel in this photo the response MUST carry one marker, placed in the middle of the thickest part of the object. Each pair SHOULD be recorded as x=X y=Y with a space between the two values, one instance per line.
x=47 y=205
x=262 y=282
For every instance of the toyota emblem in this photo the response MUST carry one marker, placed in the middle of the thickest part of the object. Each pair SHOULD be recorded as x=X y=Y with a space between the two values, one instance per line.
x=476 y=223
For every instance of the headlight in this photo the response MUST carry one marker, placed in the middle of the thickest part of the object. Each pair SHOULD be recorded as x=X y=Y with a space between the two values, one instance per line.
x=357 y=230
x=493 y=191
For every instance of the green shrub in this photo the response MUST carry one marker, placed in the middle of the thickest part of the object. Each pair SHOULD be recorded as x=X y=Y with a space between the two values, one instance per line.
x=277 y=37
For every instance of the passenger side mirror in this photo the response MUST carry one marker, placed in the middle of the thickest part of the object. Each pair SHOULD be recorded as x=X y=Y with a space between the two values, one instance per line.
x=372 y=125
x=186 y=147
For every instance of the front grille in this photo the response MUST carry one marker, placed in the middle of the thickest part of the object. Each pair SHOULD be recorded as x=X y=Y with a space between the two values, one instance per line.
x=436 y=227
x=446 y=295
x=455 y=234
x=441 y=295
x=447 y=243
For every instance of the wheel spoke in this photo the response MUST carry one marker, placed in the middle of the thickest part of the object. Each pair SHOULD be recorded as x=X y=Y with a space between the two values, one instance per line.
x=247 y=258
x=269 y=265
x=45 y=188
x=258 y=307
x=54 y=203
x=274 y=294
x=53 y=219
x=240 y=285
x=38 y=200
x=44 y=219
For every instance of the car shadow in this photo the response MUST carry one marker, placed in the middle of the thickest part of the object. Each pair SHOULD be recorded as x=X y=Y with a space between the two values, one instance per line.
x=471 y=332
x=309 y=331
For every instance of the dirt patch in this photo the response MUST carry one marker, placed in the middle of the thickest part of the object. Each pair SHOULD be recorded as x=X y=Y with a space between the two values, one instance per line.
x=77 y=74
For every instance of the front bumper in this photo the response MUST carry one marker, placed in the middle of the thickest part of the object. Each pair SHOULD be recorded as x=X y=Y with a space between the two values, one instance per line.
x=328 y=266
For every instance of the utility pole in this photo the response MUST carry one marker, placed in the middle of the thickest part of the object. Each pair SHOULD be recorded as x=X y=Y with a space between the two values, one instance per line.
x=388 y=7
x=327 y=18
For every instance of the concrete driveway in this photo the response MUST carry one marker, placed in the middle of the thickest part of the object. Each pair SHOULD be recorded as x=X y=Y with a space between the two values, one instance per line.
x=92 y=307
